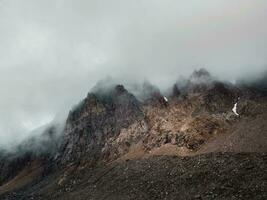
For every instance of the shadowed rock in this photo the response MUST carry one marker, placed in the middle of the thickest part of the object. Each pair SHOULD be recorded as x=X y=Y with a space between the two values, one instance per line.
x=99 y=117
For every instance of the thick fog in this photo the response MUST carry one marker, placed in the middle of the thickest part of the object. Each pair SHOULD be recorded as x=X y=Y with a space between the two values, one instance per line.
x=53 y=51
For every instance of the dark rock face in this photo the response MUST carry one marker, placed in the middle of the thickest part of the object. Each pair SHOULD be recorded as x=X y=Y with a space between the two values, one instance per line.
x=221 y=98
x=99 y=117
x=199 y=81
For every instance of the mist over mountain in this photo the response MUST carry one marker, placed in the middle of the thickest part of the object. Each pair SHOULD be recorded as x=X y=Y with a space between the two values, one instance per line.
x=129 y=100
x=52 y=52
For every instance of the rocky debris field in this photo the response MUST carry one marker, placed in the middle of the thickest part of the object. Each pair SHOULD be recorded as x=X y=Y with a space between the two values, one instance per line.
x=211 y=176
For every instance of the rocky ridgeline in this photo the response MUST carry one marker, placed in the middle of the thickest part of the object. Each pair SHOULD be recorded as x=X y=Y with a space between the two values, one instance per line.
x=111 y=123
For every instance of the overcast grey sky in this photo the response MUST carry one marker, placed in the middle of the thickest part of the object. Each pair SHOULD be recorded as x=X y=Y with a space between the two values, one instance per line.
x=53 y=51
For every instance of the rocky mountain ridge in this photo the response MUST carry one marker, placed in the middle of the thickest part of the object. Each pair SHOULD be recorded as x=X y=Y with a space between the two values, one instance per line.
x=112 y=125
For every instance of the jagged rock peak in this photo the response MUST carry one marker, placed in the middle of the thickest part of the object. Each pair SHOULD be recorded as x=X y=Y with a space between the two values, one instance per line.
x=201 y=76
x=119 y=89
x=101 y=99
x=101 y=116
x=202 y=72
x=199 y=81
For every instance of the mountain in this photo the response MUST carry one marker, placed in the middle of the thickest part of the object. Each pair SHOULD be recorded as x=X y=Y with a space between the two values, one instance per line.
x=117 y=145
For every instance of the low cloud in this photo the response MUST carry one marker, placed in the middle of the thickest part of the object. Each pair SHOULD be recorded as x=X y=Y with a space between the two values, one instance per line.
x=53 y=52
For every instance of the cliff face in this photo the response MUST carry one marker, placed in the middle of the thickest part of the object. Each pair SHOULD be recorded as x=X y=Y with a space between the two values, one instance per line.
x=98 y=119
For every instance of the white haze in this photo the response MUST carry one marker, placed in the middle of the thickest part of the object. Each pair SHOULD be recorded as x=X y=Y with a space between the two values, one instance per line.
x=53 y=51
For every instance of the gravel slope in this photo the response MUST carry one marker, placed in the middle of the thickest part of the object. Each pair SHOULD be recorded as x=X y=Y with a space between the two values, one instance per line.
x=212 y=176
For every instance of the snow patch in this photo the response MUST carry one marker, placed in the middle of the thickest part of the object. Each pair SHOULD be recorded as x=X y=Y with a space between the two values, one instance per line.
x=235 y=109
x=165 y=98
